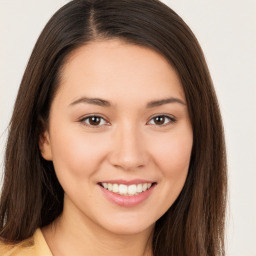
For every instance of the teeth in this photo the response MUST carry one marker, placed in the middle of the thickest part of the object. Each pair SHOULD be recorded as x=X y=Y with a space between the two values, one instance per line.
x=130 y=190
x=123 y=189
x=139 y=188
x=110 y=187
x=115 y=188
x=144 y=187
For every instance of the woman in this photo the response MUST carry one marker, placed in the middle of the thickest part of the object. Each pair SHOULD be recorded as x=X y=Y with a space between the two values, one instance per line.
x=116 y=142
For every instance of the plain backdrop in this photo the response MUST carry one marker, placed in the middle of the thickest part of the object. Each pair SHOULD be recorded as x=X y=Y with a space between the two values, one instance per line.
x=226 y=30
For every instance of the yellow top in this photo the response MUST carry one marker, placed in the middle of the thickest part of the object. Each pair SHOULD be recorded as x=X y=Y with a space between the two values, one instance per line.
x=34 y=246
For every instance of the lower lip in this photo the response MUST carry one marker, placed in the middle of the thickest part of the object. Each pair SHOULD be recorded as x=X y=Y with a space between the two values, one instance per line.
x=127 y=201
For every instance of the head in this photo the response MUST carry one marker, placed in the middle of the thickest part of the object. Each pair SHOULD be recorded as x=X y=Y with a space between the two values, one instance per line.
x=194 y=221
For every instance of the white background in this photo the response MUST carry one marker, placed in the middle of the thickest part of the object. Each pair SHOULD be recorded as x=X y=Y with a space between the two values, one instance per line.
x=226 y=31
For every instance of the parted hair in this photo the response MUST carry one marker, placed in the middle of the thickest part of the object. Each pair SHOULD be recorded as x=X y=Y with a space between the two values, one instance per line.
x=31 y=195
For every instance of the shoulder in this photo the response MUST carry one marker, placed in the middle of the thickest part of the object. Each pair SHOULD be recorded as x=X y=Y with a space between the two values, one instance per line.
x=26 y=248
x=33 y=246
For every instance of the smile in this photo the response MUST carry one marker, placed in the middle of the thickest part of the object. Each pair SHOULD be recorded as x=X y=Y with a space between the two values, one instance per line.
x=127 y=193
x=127 y=190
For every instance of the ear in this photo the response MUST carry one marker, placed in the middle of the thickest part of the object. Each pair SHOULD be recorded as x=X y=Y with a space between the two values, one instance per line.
x=45 y=146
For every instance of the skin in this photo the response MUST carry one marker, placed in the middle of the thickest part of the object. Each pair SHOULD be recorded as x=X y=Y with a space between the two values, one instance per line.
x=127 y=144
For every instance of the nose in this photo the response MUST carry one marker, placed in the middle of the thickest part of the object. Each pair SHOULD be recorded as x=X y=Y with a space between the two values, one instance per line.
x=128 y=151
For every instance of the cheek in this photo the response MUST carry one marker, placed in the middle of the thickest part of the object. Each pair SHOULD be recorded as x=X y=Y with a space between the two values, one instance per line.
x=172 y=154
x=76 y=153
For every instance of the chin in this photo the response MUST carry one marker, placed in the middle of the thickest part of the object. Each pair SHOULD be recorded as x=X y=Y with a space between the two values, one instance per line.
x=126 y=230
x=128 y=225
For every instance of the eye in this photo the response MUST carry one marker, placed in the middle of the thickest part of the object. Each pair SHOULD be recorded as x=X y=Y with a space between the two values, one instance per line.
x=162 y=120
x=94 y=121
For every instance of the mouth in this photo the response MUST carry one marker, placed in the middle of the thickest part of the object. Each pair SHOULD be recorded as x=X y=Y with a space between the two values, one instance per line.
x=127 y=193
x=125 y=189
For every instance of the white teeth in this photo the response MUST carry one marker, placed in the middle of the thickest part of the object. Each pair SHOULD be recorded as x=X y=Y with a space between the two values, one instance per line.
x=110 y=186
x=144 y=187
x=115 y=188
x=123 y=189
x=130 y=190
x=139 y=188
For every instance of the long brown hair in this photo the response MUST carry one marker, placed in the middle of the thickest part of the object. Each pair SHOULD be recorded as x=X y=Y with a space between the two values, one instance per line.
x=32 y=196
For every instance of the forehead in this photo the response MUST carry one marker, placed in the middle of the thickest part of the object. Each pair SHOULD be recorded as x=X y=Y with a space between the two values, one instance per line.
x=114 y=67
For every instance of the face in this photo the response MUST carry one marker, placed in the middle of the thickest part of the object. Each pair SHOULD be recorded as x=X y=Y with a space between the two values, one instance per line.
x=119 y=136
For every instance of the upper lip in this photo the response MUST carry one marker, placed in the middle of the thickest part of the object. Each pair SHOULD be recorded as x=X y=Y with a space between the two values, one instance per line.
x=127 y=182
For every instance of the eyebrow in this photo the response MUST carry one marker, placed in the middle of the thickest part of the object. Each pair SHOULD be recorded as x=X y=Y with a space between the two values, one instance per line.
x=105 y=103
x=93 y=101
x=157 y=103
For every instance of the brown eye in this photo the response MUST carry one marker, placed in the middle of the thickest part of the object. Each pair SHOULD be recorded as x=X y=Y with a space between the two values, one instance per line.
x=162 y=120
x=94 y=121
x=159 y=120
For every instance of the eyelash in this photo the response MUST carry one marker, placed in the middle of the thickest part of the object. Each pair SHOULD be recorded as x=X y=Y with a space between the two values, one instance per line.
x=170 y=118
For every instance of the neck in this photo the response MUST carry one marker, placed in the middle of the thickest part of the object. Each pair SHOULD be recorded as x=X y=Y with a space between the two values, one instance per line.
x=76 y=235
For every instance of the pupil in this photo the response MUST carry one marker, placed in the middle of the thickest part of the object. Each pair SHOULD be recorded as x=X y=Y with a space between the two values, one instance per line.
x=94 y=120
x=159 y=120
